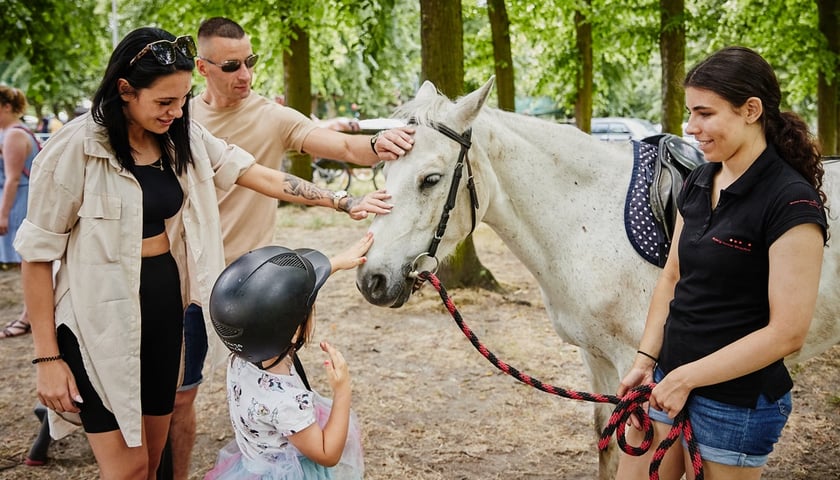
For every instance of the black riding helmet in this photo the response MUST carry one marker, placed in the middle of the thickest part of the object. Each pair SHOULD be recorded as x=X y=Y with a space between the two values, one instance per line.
x=260 y=300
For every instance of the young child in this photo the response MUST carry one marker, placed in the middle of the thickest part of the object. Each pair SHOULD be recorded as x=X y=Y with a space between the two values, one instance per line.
x=262 y=307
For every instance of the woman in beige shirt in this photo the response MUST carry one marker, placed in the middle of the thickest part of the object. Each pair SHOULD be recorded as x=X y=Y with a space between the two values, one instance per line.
x=125 y=199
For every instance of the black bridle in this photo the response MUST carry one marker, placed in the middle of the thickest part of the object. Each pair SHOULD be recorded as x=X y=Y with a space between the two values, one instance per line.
x=464 y=140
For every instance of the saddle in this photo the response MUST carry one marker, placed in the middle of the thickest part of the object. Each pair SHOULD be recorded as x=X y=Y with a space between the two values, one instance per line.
x=676 y=159
x=660 y=165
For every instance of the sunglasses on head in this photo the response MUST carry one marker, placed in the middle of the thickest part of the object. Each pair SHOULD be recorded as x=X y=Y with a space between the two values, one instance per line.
x=165 y=50
x=230 y=66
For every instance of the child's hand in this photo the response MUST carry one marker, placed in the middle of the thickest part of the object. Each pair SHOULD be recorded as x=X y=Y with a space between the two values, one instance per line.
x=353 y=256
x=337 y=372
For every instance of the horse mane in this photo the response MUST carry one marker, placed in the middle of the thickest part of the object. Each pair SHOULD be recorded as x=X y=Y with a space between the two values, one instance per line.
x=431 y=110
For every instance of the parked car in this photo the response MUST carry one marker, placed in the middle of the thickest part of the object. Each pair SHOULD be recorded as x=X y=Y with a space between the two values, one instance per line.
x=622 y=129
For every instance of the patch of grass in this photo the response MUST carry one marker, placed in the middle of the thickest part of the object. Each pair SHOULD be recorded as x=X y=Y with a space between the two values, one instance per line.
x=287 y=215
x=317 y=222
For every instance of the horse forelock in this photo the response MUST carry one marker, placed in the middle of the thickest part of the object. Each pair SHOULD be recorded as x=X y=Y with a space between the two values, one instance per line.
x=424 y=112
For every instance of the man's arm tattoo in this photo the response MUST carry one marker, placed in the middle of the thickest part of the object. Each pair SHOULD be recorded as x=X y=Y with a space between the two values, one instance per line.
x=300 y=188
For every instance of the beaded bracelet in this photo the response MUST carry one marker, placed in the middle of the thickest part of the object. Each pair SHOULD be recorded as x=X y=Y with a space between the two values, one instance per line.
x=648 y=355
x=47 y=359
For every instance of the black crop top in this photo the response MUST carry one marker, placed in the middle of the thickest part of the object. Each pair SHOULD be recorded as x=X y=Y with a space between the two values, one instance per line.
x=162 y=195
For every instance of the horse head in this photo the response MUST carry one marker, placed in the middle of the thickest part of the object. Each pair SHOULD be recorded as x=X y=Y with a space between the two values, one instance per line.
x=420 y=185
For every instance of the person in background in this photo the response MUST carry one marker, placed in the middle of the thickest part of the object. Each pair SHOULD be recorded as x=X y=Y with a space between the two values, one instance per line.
x=263 y=309
x=127 y=203
x=18 y=147
x=229 y=109
x=739 y=288
x=44 y=125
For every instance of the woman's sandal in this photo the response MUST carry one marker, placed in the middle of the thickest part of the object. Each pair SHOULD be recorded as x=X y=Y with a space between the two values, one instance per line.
x=16 y=328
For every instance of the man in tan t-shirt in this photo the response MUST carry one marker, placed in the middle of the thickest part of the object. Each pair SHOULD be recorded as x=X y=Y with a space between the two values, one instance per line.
x=266 y=129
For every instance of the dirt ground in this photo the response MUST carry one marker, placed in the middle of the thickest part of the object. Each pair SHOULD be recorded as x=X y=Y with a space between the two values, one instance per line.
x=431 y=407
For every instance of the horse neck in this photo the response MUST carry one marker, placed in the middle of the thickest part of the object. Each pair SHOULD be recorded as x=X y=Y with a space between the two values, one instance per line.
x=554 y=193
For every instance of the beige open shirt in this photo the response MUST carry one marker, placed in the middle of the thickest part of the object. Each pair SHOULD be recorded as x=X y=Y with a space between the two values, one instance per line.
x=86 y=211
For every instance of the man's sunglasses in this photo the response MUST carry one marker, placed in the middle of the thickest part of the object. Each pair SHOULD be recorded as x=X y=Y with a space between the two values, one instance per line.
x=165 y=50
x=230 y=66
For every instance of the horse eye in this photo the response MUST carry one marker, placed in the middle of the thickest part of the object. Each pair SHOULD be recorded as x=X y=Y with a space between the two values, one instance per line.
x=431 y=180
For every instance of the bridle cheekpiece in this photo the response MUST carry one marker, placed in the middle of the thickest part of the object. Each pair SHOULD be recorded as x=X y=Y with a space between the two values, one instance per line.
x=464 y=140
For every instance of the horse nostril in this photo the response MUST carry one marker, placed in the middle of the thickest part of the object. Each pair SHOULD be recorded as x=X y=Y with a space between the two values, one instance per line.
x=372 y=286
x=381 y=289
x=376 y=284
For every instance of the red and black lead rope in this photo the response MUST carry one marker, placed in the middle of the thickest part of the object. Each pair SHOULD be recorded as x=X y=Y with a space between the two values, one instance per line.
x=630 y=404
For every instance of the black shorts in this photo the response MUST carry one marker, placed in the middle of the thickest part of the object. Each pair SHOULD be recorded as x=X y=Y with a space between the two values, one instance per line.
x=161 y=336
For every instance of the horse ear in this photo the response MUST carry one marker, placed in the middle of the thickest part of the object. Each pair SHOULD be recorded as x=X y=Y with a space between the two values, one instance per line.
x=426 y=91
x=467 y=108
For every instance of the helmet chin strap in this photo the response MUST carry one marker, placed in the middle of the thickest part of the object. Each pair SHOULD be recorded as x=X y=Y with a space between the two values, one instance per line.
x=273 y=364
x=291 y=352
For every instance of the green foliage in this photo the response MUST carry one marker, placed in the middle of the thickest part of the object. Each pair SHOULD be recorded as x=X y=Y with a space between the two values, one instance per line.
x=784 y=32
x=364 y=51
x=546 y=63
x=368 y=51
x=55 y=61
x=478 y=58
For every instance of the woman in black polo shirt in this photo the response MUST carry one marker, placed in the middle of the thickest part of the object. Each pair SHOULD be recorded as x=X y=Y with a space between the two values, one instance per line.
x=739 y=289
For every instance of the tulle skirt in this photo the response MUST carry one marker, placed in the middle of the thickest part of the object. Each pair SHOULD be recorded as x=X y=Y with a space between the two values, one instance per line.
x=292 y=465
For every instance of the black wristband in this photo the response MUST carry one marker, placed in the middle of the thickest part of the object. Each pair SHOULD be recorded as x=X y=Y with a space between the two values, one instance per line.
x=373 y=140
x=648 y=355
x=47 y=359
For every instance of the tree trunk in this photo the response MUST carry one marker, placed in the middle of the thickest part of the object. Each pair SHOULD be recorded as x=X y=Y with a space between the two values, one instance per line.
x=442 y=46
x=583 y=41
x=828 y=103
x=502 y=58
x=464 y=269
x=672 y=52
x=298 y=86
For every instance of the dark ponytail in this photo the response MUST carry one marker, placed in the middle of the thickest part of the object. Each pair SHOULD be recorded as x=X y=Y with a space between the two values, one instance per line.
x=795 y=144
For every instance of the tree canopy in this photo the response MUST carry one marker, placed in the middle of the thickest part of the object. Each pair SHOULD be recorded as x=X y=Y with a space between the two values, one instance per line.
x=368 y=51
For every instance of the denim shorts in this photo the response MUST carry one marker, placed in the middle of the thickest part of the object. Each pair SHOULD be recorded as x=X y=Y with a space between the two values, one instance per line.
x=195 y=347
x=733 y=435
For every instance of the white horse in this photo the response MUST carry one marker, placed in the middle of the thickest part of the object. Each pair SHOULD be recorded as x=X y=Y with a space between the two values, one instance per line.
x=555 y=196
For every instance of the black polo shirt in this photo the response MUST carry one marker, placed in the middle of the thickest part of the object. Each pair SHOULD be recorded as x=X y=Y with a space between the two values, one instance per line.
x=722 y=293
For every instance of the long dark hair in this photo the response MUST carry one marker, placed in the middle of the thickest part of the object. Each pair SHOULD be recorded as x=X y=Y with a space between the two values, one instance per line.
x=107 y=108
x=738 y=73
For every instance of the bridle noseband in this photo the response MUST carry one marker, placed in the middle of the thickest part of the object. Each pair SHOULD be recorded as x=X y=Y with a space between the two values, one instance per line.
x=464 y=140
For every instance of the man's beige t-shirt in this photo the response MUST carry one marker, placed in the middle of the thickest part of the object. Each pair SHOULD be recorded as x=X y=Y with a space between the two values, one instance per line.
x=267 y=130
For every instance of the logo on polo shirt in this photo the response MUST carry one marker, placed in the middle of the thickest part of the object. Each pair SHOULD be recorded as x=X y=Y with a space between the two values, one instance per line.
x=736 y=243
x=812 y=203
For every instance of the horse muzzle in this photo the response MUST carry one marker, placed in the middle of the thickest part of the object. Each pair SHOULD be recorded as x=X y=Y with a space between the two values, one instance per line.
x=384 y=289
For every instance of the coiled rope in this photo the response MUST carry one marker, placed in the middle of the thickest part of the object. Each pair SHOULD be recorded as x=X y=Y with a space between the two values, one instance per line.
x=626 y=406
